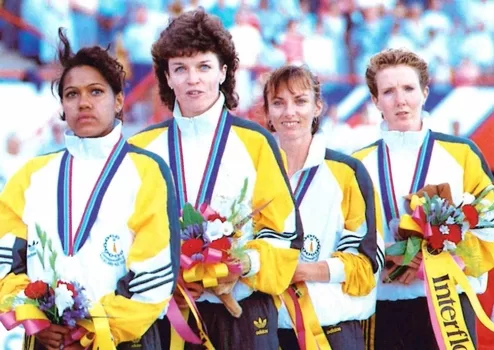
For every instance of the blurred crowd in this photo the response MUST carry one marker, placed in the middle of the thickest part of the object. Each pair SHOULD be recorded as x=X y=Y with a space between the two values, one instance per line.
x=334 y=37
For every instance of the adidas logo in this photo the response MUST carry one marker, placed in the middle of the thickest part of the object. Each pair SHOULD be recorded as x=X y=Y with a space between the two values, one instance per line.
x=261 y=326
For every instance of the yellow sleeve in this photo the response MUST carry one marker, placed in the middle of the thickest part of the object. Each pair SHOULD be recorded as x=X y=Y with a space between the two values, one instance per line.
x=278 y=230
x=478 y=254
x=13 y=230
x=360 y=247
x=143 y=293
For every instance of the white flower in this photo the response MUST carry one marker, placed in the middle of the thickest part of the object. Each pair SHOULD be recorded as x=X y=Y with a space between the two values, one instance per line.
x=468 y=198
x=444 y=229
x=449 y=246
x=214 y=230
x=63 y=298
x=227 y=228
x=450 y=221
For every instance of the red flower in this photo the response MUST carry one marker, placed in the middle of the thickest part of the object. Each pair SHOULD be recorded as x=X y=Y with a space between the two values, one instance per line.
x=471 y=214
x=36 y=290
x=70 y=287
x=192 y=246
x=223 y=245
x=209 y=213
x=437 y=238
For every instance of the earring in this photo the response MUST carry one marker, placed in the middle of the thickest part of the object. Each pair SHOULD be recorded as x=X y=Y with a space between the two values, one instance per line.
x=270 y=126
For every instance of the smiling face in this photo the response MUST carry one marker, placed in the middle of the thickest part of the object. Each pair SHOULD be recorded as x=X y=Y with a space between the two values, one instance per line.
x=291 y=111
x=89 y=103
x=195 y=81
x=400 y=97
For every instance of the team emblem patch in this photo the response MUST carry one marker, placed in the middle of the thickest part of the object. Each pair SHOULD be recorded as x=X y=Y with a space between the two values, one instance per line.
x=311 y=248
x=112 y=251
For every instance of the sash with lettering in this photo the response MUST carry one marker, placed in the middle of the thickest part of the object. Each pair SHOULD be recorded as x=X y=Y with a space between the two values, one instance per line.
x=296 y=298
x=72 y=241
x=180 y=329
x=441 y=271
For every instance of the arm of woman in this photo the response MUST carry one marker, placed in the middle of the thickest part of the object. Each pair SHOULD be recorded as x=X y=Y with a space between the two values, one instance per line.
x=13 y=235
x=275 y=250
x=478 y=254
x=359 y=253
x=142 y=295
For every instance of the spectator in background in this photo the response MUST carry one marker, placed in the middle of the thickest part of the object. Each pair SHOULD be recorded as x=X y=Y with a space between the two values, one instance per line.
x=398 y=39
x=55 y=140
x=83 y=13
x=111 y=14
x=479 y=46
x=54 y=14
x=292 y=43
x=320 y=53
x=368 y=35
x=335 y=27
x=138 y=36
x=467 y=73
x=13 y=158
x=225 y=12
x=248 y=42
x=413 y=26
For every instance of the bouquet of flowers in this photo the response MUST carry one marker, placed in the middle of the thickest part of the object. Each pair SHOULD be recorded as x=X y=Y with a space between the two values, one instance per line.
x=437 y=220
x=43 y=303
x=212 y=248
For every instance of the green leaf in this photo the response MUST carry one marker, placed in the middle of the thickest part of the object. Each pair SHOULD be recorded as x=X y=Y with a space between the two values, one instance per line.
x=41 y=258
x=400 y=270
x=243 y=191
x=397 y=249
x=41 y=235
x=413 y=247
x=191 y=216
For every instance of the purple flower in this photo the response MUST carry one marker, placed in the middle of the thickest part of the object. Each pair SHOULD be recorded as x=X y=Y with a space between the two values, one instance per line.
x=193 y=231
x=197 y=257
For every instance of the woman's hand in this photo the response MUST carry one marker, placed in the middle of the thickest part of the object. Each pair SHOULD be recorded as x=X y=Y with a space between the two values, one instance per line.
x=195 y=290
x=314 y=272
x=396 y=262
x=53 y=336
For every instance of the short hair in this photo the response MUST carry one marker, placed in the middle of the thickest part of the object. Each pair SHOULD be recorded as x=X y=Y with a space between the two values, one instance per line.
x=93 y=56
x=391 y=58
x=292 y=76
x=188 y=34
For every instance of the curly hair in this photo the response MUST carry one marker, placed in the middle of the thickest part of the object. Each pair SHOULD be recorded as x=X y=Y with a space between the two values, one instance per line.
x=292 y=76
x=188 y=34
x=391 y=58
x=93 y=56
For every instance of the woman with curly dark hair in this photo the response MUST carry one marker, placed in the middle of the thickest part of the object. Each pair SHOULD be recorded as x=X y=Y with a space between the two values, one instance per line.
x=212 y=155
x=70 y=199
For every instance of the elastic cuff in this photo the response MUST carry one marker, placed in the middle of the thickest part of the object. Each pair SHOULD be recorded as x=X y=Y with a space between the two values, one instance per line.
x=336 y=270
x=255 y=262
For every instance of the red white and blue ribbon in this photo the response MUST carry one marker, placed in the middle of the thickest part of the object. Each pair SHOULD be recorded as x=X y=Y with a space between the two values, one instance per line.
x=388 y=195
x=303 y=184
x=176 y=160
x=72 y=241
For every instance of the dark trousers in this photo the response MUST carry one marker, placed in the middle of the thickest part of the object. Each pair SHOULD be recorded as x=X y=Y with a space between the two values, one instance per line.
x=406 y=325
x=254 y=330
x=344 y=336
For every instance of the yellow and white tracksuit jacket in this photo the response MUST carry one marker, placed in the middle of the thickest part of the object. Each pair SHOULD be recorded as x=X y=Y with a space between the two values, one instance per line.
x=272 y=238
x=129 y=262
x=342 y=228
x=454 y=160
